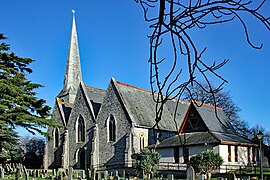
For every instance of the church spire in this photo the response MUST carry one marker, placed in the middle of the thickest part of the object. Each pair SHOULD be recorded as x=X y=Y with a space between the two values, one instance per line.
x=73 y=75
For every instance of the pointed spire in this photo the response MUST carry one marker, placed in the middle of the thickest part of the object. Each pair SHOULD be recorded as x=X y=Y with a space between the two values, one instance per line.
x=73 y=75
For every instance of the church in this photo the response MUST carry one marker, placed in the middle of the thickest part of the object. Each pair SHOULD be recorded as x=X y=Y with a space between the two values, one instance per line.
x=106 y=129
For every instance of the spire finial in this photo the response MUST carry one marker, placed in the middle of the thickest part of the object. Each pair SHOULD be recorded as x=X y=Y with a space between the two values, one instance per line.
x=73 y=12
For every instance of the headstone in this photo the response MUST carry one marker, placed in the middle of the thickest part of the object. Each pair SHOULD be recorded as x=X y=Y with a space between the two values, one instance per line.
x=106 y=175
x=97 y=176
x=37 y=173
x=18 y=173
x=246 y=177
x=170 y=177
x=265 y=161
x=201 y=177
x=87 y=173
x=82 y=174
x=70 y=173
x=115 y=173
x=2 y=173
x=190 y=173
x=26 y=175
x=54 y=172
x=124 y=174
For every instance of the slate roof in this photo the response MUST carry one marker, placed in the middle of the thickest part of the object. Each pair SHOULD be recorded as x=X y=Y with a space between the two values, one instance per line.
x=215 y=122
x=141 y=108
x=200 y=138
x=96 y=97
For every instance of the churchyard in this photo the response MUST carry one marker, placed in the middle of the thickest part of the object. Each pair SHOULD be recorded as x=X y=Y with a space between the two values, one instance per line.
x=19 y=172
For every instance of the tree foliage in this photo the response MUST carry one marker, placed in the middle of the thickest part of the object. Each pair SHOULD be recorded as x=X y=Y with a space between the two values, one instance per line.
x=33 y=152
x=9 y=149
x=172 y=44
x=148 y=161
x=205 y=163
x=19 y=105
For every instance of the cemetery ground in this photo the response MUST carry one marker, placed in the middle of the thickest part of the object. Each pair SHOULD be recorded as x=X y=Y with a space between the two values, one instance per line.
x=38 y=174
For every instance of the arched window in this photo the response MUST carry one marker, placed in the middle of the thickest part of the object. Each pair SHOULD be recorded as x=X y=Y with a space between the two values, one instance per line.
x=56 y=137
x=111 y=129
x=142 y=141
x=80 y=130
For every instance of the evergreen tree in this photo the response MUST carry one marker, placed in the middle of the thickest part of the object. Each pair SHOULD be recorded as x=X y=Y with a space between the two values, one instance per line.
x=19 y=105
x=205 y=163
x=9 y=149
x=148 y=162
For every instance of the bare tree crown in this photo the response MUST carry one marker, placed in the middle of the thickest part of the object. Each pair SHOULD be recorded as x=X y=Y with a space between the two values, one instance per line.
x=171 y=22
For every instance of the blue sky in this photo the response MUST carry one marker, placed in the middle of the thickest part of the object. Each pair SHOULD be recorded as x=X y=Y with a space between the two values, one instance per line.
x=113 y=43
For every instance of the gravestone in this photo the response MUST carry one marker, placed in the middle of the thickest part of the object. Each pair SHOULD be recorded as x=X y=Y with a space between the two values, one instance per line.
x=201 y=177
x=115 y=173
x=265 y=161
x=88 y=173
x=2 y=173
x=124 y=174
x=37 y=173
x=70 y=173
x=54 y=172
x=18 y=173
x=170 y=177
x=246 y=177
x=82 y=174
x=190 y=173
x=26 y=175
x=106 y=175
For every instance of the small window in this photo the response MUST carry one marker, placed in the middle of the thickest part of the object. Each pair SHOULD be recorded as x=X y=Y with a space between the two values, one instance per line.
x=248 y=154
x=142 y=142
x=176 y=154
x=236 y=153
x=56 y=137
x=253 y=154
x=111 y=129
x=229 y=153
x=186 y=154
x=80 y=130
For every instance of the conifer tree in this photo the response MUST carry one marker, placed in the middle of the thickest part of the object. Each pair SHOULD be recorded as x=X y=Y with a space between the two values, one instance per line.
x=9 y=149
x=19 y=105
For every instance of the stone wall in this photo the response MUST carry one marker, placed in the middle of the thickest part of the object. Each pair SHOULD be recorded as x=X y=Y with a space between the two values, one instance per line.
x=81 y=108
x=112 y=154
x=53 y=154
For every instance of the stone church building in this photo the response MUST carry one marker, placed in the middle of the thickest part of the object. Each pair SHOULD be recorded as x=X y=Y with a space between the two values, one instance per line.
x=105 y=129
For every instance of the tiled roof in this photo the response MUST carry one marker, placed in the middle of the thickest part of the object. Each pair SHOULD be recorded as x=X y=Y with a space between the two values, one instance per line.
x=141 y=108
x=96 y=97
x=215 y=121
x=200 y=138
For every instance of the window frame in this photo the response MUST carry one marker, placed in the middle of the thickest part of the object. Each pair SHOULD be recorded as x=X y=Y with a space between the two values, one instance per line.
x=80 y=130
x=111 y=126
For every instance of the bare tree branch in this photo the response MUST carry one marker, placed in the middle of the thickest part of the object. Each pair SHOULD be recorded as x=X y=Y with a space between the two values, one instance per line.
x=171 y=22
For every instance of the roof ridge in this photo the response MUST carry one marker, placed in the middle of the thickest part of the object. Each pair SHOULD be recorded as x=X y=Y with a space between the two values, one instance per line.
x=87 y=87
x=173 y=99
x=131 y=86
x=207 y=104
